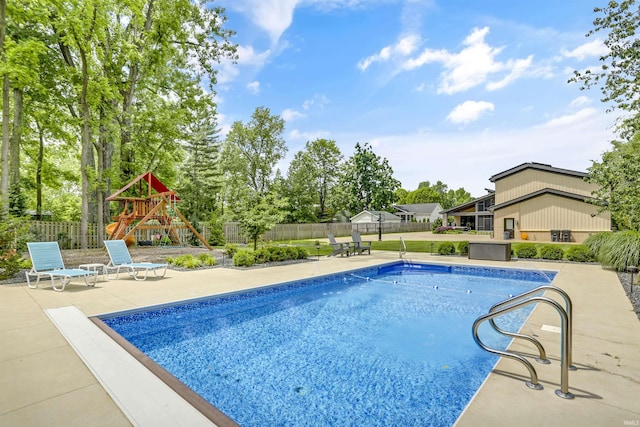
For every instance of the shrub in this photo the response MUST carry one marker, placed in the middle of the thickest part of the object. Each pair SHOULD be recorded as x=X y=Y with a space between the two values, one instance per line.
x=243 y=258
x=579 y=253
x=186 y=261
x=303 y=253
x=291 y=252
x=463 y=247
x=442 y=230
x=262 y=255
x=437 y=223
x=620 y=250
x=207 y=259
x=527 y=250
x=595 y=241
x=446 y=248
x=552 y=252
x=230 y=249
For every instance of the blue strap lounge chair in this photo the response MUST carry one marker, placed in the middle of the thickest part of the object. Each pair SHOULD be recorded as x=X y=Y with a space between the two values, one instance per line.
x=121 y=260
x=46 y=261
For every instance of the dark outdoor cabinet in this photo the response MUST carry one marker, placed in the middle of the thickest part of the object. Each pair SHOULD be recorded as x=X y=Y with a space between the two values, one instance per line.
x=493 y=251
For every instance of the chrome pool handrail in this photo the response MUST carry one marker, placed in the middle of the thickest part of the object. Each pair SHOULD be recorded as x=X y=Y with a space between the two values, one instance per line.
x=564 y=345
x=568 y=309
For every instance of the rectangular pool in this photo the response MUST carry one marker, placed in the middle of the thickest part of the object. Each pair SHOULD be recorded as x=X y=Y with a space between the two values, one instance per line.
x=388 y=345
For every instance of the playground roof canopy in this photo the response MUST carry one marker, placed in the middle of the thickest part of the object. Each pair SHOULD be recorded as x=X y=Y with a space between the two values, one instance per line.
x=152 y=182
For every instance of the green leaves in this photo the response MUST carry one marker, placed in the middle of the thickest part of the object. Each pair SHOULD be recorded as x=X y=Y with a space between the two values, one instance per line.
x=367 y=181
x=618 y=75
x=618 y=176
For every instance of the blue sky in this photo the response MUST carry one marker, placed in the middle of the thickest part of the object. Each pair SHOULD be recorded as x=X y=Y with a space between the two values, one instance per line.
x=449 y=90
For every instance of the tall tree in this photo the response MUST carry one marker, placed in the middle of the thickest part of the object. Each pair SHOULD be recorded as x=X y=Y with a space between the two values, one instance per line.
x=250 y=155
x=618 y=178
x=619 y=74
x=6 y=110
x=367 y=181
x=311 y=178
x=202 y=176
x=252 y=151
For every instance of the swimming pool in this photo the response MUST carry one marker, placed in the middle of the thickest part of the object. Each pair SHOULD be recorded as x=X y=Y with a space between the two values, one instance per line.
x=388 y=345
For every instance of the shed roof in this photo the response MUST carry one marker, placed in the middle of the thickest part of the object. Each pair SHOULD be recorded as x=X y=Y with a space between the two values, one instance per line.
x=537 y=166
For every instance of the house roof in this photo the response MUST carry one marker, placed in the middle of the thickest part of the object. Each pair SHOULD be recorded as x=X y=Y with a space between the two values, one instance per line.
x=537 y=166
x=542 y=192
x=152 y=182
x=422 y=208
x=490 y=194
x=387 y=215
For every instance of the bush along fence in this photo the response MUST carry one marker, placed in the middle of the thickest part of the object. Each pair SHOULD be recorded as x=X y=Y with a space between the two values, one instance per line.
x=67 y=234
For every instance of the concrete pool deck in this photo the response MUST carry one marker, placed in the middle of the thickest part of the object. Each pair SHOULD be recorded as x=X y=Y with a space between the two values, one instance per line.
x=44 y=381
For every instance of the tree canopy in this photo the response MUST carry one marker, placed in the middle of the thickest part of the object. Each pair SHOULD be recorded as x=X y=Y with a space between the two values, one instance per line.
x=619 y=75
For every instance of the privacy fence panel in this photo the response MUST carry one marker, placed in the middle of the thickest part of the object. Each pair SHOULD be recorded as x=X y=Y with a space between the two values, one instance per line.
x=67 y=234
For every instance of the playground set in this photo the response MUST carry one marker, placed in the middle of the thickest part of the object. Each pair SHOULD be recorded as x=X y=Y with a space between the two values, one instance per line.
x=154 y=209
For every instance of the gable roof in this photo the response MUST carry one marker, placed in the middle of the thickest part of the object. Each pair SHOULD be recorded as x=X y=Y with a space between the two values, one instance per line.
x=540 y=167
x=543 y=192
x=423 y=208
x=152 y=182
x=470 y=203
x=387 y=215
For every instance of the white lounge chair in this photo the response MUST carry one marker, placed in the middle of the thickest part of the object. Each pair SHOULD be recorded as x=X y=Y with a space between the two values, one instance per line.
x=121 y=260
x=46 y=261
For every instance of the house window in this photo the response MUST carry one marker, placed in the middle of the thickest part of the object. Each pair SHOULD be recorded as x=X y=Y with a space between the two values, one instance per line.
x=485 y=223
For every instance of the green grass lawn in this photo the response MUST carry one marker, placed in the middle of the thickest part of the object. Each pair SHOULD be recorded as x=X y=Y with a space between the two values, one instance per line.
x=424 y=246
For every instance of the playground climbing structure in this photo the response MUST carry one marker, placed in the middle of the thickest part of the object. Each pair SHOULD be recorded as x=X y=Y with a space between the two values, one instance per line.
x=153 y=208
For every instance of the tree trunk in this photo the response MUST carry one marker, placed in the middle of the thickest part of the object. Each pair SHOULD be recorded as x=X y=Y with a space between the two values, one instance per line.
x=39 y=172
x=16 y=140
x=87 y=152
x=4 y=179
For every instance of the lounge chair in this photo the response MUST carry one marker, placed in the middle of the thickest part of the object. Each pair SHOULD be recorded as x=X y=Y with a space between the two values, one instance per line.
x=121 y=260
x=359 y=247
x=338 y=247
x=46 y=261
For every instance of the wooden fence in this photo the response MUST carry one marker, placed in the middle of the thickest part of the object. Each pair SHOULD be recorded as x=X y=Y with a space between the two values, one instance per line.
x=67 y=234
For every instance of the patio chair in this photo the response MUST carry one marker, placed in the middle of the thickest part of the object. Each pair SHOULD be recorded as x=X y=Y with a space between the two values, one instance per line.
x=120 y=259
x=360 y=247
x=338 y=247
x=46 y=261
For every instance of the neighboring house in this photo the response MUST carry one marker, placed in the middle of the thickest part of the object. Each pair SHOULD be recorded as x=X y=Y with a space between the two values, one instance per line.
x=367 y=217
x=474 y=215
x=420 y=212
x=539 y=202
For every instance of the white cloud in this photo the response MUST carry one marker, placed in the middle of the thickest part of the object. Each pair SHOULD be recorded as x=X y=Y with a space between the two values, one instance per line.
x=517 y=67
x=477 y=155
x=594 y=48
x=290 y=115
x=318 y=100
x=404 y=47
x=568 y=120
x=295 y=134
x=580 y=101
x=471 y=66
x=247 y=57
x=254 y=87
x=469 y=111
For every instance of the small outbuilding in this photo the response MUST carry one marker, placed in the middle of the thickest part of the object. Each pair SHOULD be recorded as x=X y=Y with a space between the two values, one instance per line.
x=368 y=217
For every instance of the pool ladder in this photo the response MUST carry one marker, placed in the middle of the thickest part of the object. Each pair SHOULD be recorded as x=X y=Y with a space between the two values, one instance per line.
x=522 y=300
x=403 y=247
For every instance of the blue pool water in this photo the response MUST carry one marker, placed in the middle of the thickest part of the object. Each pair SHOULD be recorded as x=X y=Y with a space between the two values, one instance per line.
x=386 y=346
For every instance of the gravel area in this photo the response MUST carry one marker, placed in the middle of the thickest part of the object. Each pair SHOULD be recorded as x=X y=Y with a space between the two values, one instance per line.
x=633 y=292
